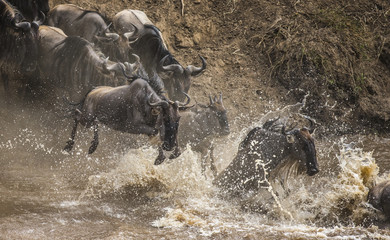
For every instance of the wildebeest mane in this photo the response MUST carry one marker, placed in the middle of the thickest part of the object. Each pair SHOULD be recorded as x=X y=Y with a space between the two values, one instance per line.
x=74 y=65
x=153 y=46
x=85 y=12
x=155 y=81
x=7 y=13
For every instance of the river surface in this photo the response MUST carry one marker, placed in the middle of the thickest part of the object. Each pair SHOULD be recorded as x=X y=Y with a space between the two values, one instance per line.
x=117 y=192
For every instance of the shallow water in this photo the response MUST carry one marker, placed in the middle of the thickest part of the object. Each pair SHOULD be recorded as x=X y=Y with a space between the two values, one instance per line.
x=117 y=193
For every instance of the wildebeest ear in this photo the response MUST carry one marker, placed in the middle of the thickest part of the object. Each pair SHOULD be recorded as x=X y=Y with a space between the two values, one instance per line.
x=290 y=138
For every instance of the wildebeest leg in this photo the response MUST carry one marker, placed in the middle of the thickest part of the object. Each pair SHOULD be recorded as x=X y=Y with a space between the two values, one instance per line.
x=213 y=168
x=161 y=157
x=5 y=79
x=95 y=141
x=203 y=159
x=176 y=153
x=70 y=142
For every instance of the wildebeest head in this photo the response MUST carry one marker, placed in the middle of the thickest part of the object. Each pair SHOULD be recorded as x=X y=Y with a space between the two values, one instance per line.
x=122 y=70
x=31 y=9
x=177 y=79
x=301 y=146
x=217 y=107
x=19 y=38
x=169 y=112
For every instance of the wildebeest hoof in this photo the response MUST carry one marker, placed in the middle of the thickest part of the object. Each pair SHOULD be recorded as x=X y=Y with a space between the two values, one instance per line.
x=69 y=146
x=160 y=159
x=175 y=154
x=92 y=148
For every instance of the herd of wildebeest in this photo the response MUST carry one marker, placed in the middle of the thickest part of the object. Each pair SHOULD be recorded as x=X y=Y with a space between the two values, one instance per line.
x=129 y=81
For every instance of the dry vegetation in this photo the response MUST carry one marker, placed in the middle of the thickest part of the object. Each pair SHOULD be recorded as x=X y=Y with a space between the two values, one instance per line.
x=264 y=54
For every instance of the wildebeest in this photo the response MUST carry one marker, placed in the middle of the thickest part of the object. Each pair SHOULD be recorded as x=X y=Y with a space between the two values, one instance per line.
x=379 y=197
x=134 y=108
x=31 y=9
x=261 y=152
x=74 y=64
x=145 y=40
x=76 y=21
x=18 y=41
x=199 y=126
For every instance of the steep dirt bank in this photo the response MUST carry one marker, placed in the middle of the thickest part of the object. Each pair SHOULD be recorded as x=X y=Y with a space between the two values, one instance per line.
x=266 y=54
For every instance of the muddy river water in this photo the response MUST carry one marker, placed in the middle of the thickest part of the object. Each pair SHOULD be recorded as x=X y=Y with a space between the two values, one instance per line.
x=117 y=192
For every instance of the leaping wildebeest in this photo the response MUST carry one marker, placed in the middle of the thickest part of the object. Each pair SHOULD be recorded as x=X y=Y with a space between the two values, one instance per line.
x=262 y=151
x=199 y=125
x=134 y=108
x=74 y=64
x=144 y=39
x=18 y=41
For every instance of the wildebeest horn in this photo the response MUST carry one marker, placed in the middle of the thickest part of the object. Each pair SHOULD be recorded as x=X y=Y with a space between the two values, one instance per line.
x=187 y=102
x=131 y=66
x=38 y=21
x=108 y=26
x=25 y=26
x=312 y=124
x=131 y=35
x=211 y=100
x=112 y=36
x=137 y=60
x=220 y=98
x=172 y=67
x=268 y=124
x=194 y=71
x=123 y=68
x=159 y=103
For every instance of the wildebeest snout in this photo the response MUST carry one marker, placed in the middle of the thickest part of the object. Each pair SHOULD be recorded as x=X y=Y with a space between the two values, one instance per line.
x=312 y=171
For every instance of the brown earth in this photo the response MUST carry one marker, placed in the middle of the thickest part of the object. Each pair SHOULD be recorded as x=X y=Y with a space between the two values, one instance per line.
x=266 y=54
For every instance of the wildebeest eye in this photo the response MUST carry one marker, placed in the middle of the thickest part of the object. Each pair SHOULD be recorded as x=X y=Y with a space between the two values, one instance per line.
x=290 y=138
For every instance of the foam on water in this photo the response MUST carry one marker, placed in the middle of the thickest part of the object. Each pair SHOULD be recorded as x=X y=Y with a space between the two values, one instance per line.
x=301 y=208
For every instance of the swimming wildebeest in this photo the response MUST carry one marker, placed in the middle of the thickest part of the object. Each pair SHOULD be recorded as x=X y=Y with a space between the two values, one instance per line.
x=134 y=108
x=74 y=64
x=199 y=126
x=262 y=151
x=76 y=21
x=18 y=41
x=379 y=197
x=144 y=39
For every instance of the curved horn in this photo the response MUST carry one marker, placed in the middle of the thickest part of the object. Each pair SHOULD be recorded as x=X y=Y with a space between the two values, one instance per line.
x=211 y=100
x=123 y=68
x=172 y=67
x=131 y=35
x=112 y=36
x=159 y=103
x=25 y=26
x=312 y=124
x=187 y=102
x=195 y=71
x=220 y=98
x=105 y=65
x=39 y=20
x=137 y=61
